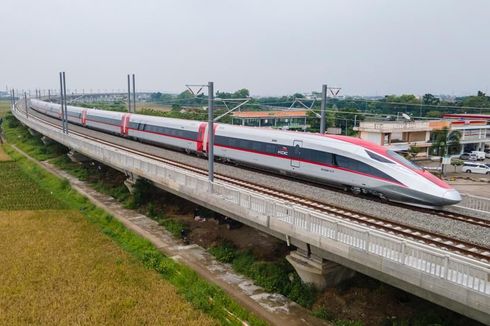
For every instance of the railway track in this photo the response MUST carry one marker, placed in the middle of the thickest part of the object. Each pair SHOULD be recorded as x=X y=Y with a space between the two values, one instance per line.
x=410 y=232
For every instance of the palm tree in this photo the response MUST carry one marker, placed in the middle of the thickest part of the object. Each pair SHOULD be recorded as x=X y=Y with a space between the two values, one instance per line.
x=446 y=141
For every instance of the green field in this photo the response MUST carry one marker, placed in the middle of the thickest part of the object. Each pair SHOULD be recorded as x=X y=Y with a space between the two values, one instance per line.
x=4 y=107
x=19 y=192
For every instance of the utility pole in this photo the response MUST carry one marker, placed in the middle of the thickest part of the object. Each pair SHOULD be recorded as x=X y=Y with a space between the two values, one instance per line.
x=323 y=106
x=210 y=132
x=134 y=95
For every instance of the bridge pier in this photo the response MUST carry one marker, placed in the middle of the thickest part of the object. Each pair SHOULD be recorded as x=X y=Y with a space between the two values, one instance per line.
x=320 y=272
x=33 y=132
x=130 y=182
x=46 y=140
x=77 y=157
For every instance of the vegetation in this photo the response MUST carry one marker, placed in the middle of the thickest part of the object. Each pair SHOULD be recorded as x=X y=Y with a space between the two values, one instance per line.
x=446 y=142
x=457 y=162
x=4 y=107
x=19 y=136
x=19 y=192
x=74 y=274
x=3 y=156
x=276 y=276
x=109 y=106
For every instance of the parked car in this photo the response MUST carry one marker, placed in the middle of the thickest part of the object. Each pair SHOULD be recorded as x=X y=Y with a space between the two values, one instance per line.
x=480 y=168
x=487 y=154
x=468 y=156
x=480 y=156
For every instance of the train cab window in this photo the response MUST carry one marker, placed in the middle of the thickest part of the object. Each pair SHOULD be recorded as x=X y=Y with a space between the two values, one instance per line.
x=377 y=157
x=402 y=160
x=354 y=165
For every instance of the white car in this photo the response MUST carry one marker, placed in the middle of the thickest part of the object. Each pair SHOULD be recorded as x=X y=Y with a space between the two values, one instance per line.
x=471 y=167
x=480 y=156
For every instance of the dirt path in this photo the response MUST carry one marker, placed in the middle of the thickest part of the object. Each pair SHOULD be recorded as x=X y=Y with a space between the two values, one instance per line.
x=274 y=308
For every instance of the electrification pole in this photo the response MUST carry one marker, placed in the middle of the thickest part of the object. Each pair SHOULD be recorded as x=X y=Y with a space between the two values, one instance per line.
x=25 y=103
x=66 y=105
x=129 y=94
x=322 y=110
x=210 y=132
x=61 y=103
x=134 y=95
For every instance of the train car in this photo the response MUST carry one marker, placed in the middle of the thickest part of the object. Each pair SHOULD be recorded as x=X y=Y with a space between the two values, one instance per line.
x=108 y=121
x=47 y=108
x=176 y=133
x=348 y=162
x=344 y=161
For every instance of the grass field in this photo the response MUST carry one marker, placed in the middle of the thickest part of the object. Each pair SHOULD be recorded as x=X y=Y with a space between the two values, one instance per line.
x=19 y=192
x=4 y=107
x=58 y=269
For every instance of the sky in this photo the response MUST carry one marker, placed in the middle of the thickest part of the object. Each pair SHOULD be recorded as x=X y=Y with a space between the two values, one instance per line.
x=271 y=47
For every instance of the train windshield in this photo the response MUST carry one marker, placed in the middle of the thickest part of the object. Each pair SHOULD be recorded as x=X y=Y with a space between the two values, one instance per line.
x=397 y=157
x=378 y=157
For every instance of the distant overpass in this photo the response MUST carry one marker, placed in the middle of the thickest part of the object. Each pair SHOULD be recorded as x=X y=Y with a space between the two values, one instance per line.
x=323 y=237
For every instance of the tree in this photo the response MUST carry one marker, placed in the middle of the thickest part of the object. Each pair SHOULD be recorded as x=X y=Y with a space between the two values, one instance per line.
x=413 y=151
x=456 y=163
x=155 y=96
x=445 y=141
x=430 y=99
x=480 y=100
x=241 y=93
x=433 y=114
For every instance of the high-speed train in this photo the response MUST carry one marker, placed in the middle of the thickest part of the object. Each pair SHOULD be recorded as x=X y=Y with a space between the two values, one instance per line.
x=348 y=162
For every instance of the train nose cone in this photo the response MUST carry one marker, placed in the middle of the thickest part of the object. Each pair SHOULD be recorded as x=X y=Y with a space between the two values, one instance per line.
x=452 y=197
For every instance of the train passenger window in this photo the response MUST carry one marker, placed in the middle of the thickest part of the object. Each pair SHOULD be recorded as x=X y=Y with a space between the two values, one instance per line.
x=325 y=157
x=271 y=149
x=378 y=157
x=256 y=146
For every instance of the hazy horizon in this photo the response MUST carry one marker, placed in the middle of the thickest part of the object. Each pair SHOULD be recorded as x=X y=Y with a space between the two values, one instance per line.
x=369 y=48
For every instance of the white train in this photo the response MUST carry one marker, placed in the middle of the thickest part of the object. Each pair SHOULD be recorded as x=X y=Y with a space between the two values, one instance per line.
x=349 y=162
